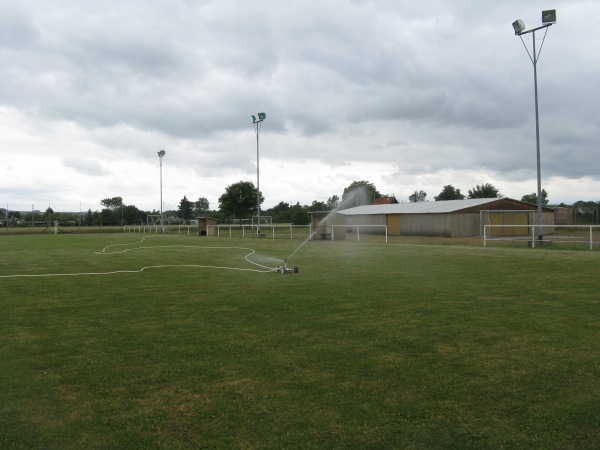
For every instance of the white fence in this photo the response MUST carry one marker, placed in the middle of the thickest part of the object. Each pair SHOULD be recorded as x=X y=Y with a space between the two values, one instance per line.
x=161 y=229
x=559 y=234
x=381 y=230
x=265 y=230
x=268 y=231
x=332 y=232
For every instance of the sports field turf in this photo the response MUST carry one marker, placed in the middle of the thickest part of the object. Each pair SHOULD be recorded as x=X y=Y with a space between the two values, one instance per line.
x=370 y=345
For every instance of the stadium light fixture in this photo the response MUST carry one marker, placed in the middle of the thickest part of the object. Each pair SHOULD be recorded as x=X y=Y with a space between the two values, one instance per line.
x=548 y=19
x=549 y=16
x=518 y=26
x=161 y=153
x=257 y=124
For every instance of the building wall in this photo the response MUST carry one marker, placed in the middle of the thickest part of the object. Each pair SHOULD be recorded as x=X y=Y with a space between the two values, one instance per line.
x=322 y=225
x=393 y=223
x=378 y=221
x=564 y=216
x=464 y=224
x=425 y=225
x=506 y=218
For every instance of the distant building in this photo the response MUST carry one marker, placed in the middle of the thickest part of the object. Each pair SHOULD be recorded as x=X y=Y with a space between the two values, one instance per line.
x=386 y=200
x=451 y=218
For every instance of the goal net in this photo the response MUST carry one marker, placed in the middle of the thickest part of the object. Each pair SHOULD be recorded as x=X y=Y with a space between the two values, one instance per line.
x=264 y=220
x=154 y=219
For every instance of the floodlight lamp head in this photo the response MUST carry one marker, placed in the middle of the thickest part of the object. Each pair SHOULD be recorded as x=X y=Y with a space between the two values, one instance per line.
x=161 y=153
x=518 y=26
x=549 y=16
x=261 y=116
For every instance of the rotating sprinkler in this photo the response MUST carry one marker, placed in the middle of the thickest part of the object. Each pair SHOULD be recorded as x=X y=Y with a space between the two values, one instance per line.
x=285 y=269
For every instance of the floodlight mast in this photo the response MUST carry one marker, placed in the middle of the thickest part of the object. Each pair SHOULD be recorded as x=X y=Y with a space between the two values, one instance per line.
x=548 y=19
x=161 y=153
x=257 y=124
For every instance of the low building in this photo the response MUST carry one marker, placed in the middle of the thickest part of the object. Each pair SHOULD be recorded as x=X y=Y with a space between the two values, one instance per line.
x=388 y=200
x=206 y=226
x=452 y=218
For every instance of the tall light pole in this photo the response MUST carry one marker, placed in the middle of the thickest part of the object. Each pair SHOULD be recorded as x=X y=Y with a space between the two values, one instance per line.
x=257 y=124
x=548 y=19
x=161 y=153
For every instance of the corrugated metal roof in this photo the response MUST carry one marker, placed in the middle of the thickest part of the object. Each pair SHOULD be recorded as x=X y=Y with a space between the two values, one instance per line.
x=440 y=207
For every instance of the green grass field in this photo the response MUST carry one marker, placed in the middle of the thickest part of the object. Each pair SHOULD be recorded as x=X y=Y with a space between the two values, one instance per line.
x=368 y=346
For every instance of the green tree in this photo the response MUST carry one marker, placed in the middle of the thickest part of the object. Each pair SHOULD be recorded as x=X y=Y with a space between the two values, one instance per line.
x=185 y=210
x=449 y=193
x=112 y=203
x=333 y=202
x=299 y=214
x=532 y=198
x=201 y=207
x=132 y=216
x=109 y=217
x=579 y=203
x=280 y=213
x=48 y=215
x=486 y=190
x=359 y=193
x=89 y=218
x=318 y=206
x=417 y=196
x=239 y=200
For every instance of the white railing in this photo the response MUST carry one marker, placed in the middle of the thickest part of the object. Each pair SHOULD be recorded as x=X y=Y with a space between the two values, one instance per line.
x=267 y=231
x=367 y=230
x=572 y=234
x=158 y=229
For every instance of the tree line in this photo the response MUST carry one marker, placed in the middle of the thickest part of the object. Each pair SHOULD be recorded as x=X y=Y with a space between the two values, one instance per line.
x=239 y=202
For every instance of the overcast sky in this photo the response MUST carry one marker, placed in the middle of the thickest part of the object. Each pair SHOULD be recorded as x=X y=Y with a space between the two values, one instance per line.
x=408 y=95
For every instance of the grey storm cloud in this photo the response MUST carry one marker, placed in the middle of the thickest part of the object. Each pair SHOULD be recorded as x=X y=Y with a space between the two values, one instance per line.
x=427 y=86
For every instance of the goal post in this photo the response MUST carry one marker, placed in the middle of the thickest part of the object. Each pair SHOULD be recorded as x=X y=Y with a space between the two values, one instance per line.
x=155 y=221
x=584 y=236
x=264 y=220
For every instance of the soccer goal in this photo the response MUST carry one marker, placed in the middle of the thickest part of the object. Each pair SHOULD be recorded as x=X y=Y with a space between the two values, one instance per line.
x=583 y=236
x=261 y=225
x=264 y=220
x=156 y=223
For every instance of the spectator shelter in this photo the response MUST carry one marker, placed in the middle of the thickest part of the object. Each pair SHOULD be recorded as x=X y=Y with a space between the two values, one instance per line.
x=207 y=226
x=452 y=218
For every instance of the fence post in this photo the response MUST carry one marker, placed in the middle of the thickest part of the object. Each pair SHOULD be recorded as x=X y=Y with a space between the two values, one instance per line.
x=484 y=236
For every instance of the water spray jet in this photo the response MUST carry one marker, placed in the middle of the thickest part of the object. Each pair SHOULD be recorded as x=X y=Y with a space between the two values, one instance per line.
x=285 y=269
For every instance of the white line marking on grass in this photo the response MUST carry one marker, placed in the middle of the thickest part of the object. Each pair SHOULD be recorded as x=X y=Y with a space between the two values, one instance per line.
x=265 y=269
